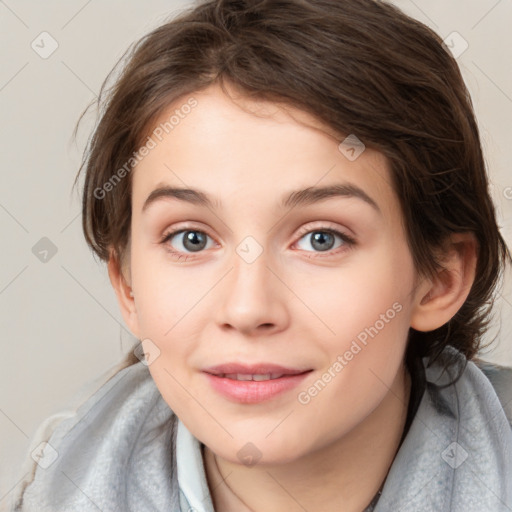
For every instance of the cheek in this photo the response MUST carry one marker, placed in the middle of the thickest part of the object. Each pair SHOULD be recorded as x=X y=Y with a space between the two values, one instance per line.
x=173 y=383
x=361 y=368
x=370 y=290
x=367 y=310
x=162 y=294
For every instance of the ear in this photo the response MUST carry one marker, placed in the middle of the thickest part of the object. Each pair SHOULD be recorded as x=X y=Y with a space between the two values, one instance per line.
x=123 y=290
x=438 y=299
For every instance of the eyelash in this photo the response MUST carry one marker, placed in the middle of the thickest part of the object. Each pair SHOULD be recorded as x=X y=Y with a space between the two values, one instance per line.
x=348 y=241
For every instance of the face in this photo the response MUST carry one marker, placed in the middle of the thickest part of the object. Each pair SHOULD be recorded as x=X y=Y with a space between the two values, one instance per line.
x=321 y=284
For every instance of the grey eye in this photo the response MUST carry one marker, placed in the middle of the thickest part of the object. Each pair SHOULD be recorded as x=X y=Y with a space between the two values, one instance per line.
x=321 y=240
x=192 y=241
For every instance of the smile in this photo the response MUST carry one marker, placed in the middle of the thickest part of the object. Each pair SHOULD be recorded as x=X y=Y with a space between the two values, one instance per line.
x=257 y=377
x=253 y=388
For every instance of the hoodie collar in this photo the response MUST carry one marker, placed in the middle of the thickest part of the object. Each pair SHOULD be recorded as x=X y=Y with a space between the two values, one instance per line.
x=457 y=455
x=194 y=491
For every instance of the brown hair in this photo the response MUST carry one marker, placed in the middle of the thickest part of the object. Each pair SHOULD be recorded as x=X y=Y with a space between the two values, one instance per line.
x=362 y=67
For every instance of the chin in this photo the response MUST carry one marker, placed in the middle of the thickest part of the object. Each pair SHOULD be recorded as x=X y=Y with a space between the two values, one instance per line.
x=251 y=450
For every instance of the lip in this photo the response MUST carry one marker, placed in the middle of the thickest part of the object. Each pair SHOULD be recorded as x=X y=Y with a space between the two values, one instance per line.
x=249 y=391
x=251 y=369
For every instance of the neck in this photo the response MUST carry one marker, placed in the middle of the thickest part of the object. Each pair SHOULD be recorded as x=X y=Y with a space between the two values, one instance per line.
x=348 y=472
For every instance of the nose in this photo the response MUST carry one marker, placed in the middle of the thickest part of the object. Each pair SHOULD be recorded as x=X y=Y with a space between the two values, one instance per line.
x=253 y=298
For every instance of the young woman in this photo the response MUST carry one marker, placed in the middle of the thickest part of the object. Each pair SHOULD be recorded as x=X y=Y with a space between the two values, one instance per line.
x=293 y=204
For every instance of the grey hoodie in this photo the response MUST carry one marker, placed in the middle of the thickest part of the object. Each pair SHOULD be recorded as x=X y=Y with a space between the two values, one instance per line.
x=125 y=450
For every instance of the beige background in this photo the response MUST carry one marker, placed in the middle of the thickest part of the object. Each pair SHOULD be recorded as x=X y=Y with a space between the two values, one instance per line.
x=60 y=324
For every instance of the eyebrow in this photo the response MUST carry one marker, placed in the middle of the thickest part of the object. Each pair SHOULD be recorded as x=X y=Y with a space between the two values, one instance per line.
x=304 y=197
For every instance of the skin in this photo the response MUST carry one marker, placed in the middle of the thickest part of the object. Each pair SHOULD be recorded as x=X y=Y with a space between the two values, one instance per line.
x=295 y=305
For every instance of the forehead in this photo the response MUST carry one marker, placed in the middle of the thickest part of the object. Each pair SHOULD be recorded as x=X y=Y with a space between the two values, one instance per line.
x=234 y=147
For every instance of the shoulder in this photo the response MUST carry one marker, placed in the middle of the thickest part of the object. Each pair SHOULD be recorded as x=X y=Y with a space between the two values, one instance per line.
x=93 y=451
x=501 y=379
x=483 y=384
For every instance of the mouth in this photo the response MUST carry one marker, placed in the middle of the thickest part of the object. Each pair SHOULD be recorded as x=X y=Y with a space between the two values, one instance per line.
x=249 y=384
x=246 y=377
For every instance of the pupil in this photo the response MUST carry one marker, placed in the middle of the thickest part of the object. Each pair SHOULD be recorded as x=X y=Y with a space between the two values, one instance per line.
x=321 y=237
x=195 y=239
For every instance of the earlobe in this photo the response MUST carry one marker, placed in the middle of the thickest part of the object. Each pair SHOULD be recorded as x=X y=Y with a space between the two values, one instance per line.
x=124 y=293
x=439 y=298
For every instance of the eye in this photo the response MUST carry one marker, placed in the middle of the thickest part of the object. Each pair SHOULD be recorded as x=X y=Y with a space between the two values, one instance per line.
x=193 y=240
x=322 y=239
